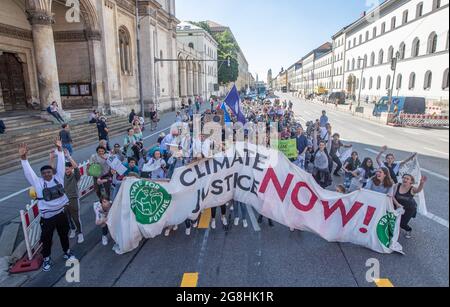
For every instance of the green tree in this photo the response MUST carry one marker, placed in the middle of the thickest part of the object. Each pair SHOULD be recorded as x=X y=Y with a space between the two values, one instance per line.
x=227 y=49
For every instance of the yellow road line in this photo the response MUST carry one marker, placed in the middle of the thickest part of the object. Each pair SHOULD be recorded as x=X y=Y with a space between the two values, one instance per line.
x=205 y=219
x=189 y=280
x=384 y=283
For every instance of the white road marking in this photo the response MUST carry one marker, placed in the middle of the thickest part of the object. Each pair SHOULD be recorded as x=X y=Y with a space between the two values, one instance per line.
x=252 y=216
x=26 y=189
x=372 y=133
x=436 y=151
x=443 y=140
x=14 y=194
x=437 y=219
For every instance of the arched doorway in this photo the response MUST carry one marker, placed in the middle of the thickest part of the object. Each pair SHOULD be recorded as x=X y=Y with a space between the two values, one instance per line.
x=12 y=82
x=351 y=85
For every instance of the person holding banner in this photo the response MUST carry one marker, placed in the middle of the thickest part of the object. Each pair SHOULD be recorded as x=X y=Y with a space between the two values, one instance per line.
x=101 y=171
x=321 y=172
x=350 y=166
x=363 y=174
x=391 y=164
x=404 y=194
x=336 y=145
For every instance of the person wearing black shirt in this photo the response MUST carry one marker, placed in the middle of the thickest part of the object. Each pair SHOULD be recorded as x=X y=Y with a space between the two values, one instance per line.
x=2 y=127
x=131 y=116
x=103 y=131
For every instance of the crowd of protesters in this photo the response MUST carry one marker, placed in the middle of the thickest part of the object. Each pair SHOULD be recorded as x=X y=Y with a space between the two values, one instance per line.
x=319 y=148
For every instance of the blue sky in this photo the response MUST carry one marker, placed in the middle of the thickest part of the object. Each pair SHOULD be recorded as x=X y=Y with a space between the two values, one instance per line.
x=276 y=33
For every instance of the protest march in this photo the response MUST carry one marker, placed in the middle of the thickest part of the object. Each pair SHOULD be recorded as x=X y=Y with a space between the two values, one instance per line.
x=234 y=155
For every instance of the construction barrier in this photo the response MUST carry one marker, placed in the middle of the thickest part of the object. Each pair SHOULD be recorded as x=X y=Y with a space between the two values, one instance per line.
x=418 y=120
x=30 y=218
x=434 y=110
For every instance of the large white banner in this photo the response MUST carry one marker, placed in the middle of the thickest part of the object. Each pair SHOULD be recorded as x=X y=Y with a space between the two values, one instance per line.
x=264 y=179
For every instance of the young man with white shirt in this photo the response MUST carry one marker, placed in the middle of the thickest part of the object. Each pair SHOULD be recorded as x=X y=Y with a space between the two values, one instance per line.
x=52 y=200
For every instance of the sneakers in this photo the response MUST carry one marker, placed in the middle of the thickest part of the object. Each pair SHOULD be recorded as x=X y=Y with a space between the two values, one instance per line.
x=260 y=219
x=236 y=221
x=104 y=240
x=167 y=232
x=244 y=223
x=80 y=238
x=175 y=228
x=292 y=229
x=69 y=256
x=195 y=224
x=213 y=224
x=224 y=221
x=188 y=231
x=72 y=234
x=408 y=235
x=47 y=264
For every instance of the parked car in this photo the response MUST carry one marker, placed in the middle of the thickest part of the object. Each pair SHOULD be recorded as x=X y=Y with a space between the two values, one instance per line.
x=406 y=105
x=337 y=98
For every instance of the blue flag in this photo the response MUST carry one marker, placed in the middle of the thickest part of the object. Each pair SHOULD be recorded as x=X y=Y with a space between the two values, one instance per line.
x=233 y=101
x=226 y=114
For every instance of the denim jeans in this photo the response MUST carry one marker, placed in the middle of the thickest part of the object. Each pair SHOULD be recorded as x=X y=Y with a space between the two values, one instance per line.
x=241 y=210
x=69 y=148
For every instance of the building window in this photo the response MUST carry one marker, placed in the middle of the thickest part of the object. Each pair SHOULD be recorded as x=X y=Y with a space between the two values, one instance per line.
x=367 y=36
x=436 y=4
x=161 y=56
x=378 y=82
x=354 y=42
x=381 y=57
x=390 y=54
x=363 y=83
x=405 y=17
x=419 y=10
x=349 y=44
x=388 y=82
x=412 y=81
x=383 y=28
x=360 y=39
x=372 y=59
x=370 y=83
x=415 y=49
x=353 y=64
x=399 y=81
x=432 y=43
x=374 y=32
x=365 y=61
x=393 y=22
x=191 y=45
x=348 y=65
x=445 y=80
x=428 y=80
x=125 y=50
x=402 y=51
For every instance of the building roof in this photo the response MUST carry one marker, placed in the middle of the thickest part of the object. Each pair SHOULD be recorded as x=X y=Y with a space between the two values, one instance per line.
x=186 y=26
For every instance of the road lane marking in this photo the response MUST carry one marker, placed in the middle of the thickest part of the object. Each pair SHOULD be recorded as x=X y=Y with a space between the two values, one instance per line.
x=26 y=189
x=252 y=216
x=205 y=219
x=189 y=280
x=383 y=283
x=372 y=133
x=14 y=194
x=436 y=151
x=422 y=169
x=443 y=140
x=437 y=219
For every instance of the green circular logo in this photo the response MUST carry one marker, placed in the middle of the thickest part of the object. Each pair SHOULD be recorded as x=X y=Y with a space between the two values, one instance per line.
x=149 y=201
x=385 y=229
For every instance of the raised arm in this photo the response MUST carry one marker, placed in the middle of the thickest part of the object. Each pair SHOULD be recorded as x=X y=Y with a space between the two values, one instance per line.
x=315 y=144
x=29 y=173
x=382 y=151
x=419 y=189
x=409 y=159
x=61 y=161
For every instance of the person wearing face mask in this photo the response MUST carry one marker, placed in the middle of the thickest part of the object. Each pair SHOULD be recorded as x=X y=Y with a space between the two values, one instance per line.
x=404 y=194
x=52 y=201
x=392 y=165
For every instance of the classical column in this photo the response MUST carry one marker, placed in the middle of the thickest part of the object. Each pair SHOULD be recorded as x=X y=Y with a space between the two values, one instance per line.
x=45 y=55
x=97 y=65
x=190 y=83
x=183 y=81
x=195 y=77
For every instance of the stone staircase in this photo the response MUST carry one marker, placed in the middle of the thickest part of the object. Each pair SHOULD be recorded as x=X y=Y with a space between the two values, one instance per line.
x=39 y=135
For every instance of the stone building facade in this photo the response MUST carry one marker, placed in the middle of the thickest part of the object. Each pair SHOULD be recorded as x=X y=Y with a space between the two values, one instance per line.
x=91 y=62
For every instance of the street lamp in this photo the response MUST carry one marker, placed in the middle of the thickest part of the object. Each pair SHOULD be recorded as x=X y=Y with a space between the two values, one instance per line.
x=361 y=80
x=394 y=62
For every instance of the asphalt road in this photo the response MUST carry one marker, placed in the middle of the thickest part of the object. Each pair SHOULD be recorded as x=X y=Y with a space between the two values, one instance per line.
x=262 y=256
